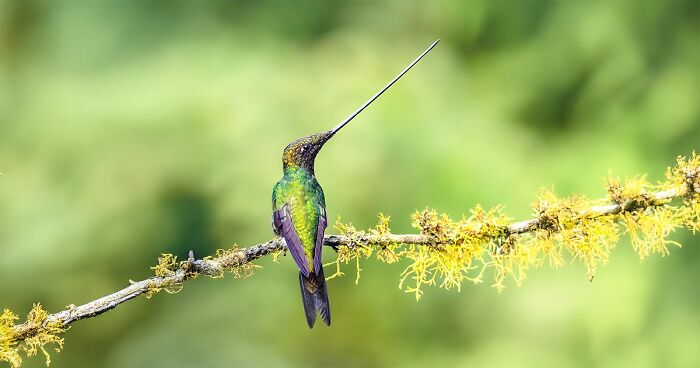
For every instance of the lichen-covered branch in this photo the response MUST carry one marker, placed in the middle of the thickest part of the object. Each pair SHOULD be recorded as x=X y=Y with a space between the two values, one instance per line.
x=444 y=253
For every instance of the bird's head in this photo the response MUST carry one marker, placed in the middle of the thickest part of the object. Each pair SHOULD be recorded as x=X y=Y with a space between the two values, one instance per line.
x=301 y=153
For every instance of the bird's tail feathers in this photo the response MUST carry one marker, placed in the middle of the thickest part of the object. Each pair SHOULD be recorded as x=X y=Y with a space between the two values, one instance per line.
x=314 y=296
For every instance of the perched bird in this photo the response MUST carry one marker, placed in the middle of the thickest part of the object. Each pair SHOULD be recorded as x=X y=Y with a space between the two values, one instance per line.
x=299 y=210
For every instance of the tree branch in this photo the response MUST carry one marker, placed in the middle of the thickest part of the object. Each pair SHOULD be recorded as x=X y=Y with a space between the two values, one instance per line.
x=684 y=182
x=209 y=267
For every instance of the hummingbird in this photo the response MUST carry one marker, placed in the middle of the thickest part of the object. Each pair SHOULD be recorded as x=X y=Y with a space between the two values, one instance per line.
x=299 y=210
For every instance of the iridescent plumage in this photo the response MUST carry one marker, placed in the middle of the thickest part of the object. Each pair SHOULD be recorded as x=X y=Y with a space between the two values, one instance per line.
x=299 y=210
x=299 y=216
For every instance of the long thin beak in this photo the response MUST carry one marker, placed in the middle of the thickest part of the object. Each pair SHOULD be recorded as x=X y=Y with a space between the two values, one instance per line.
x=359 y=110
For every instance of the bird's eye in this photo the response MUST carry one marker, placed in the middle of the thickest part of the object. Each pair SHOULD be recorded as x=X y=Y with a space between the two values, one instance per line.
x=305 y=147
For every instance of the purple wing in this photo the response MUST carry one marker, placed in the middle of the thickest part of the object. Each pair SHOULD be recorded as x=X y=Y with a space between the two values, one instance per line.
x=319 y=239
x=285 y=228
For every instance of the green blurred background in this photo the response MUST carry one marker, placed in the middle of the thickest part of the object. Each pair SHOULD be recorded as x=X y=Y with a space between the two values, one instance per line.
x=128 y=129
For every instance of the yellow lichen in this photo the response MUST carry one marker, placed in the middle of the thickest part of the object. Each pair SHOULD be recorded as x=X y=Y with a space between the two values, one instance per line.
x=167 y=264
x=231 y=260
x=8 y=351
x=591 y=241
x=29 y=338
x=355 y=251
x=692 y=214
x=513 y=261
x=166 y=268
x=568 y=223
x=686 y=174
x=634 y=193
x=585 y=230
x=458 y=251
x=386 y=252
x=276 y=256
x=225 y=260
x=649 y=229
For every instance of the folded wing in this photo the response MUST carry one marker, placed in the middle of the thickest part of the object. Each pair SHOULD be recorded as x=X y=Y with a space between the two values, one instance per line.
x=319 y=240
x=285 y=228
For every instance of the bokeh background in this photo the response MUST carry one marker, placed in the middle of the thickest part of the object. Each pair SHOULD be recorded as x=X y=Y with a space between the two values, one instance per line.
x=128 y=129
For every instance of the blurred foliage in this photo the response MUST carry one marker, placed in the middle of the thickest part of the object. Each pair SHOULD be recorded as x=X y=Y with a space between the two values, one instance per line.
x=128 y=129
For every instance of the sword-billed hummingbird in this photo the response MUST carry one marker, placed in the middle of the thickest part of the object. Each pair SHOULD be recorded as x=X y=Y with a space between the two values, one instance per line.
x=299 y=210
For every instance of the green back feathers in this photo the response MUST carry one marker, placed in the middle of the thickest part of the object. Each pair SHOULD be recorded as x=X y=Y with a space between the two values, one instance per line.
x=304 y=198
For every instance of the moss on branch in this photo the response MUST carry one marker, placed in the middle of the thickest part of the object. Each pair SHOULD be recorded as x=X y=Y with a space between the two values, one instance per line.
x=486 y=245
x=445 y=252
